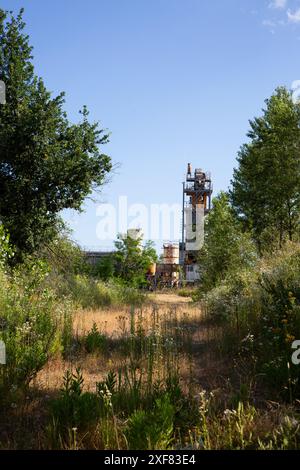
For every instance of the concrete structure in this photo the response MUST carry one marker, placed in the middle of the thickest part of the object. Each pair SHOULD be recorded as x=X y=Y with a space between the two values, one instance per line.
x=179 y=260
x=135 y=233
x=171 y=253
x=166 y=273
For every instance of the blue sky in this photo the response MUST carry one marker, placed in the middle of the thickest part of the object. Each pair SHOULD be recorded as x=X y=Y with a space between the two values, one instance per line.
x=174 y=81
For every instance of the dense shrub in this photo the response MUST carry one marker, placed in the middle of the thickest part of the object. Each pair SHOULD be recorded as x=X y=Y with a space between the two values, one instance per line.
x=227 y=248
x=261 y=308
x=152 y=429
x=74 y=408
x=72 y=277
x=122 y=409
x=32 y=323
x=88 y=292
x=64 y=256
x=95 y=340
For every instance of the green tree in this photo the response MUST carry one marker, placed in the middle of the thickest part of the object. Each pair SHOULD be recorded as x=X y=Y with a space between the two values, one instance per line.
x=226 y=247
x=133 y=259
x=46 y=163
x=64 y=256
x=105 y=267
x=266 y=185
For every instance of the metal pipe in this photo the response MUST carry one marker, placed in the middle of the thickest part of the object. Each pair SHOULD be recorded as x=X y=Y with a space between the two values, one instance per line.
x=183 y=218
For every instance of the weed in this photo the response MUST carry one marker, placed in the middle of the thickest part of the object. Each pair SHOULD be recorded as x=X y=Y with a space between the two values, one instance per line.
x=95 y=341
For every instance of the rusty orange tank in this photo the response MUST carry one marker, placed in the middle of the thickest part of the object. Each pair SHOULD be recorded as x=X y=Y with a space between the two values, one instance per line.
x=152 y=269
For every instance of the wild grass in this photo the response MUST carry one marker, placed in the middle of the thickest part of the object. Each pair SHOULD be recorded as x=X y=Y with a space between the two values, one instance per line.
x=139 y=402
x=34 y=326
x=155 y=376
x=259 y=311
x=89 y=292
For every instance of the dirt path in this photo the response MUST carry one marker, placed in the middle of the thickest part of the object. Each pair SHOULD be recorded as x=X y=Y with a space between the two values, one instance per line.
x=115 y=323
x=169 y=298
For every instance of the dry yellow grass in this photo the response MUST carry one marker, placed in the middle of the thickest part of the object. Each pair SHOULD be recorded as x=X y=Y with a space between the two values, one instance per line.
x=169 y=298
x=115 y=321
x=199 y=365
x=161 y=309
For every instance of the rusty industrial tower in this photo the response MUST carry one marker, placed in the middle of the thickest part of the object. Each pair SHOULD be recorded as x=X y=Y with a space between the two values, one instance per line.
x=197 y=195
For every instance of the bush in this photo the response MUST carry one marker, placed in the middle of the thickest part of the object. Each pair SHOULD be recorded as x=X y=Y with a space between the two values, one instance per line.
x=104 y=268
x=32 y=322
x=153 y=429
x=70 y=276
x=244 y=427
x=186 y=293
x=122 y=409
x=64 y=256
x=236 y=295
x=280 y=319
x=227 y=248
x=74 y=408
x=261 y=308
x=95 y=341
x=88 y=292
x=6 y=251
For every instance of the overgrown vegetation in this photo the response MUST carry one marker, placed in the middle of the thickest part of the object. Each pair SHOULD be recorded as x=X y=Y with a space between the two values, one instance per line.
x=129 y=264
x=256 y=298
x=216 y=374
x=227 y=249
x=259 y=311
x=71 y=276
x=34 y=324
x=47 y=164
x=265 y=187
x=139 y=405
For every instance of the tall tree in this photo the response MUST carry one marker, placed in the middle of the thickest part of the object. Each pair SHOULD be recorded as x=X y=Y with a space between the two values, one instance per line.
x=266 y=185
x=133 y=259
x=227 y=248
x=46 y=163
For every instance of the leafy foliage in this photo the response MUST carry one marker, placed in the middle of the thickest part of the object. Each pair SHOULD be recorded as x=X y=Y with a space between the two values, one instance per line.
x=261 y=314
x=94 y=340
x=64 y=256
x=31 y=324
x=46 y=163
x=105 y=268
x=227 y=248
x=152 y=430
x=6 y=250
x=133 y=260
x=266 y=185
x=74 y=407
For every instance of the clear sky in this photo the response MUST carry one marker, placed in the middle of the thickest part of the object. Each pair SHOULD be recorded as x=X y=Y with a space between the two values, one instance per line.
x=174 y=81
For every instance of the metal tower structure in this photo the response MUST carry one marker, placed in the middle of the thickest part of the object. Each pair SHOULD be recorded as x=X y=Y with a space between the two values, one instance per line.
x=197 y=193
